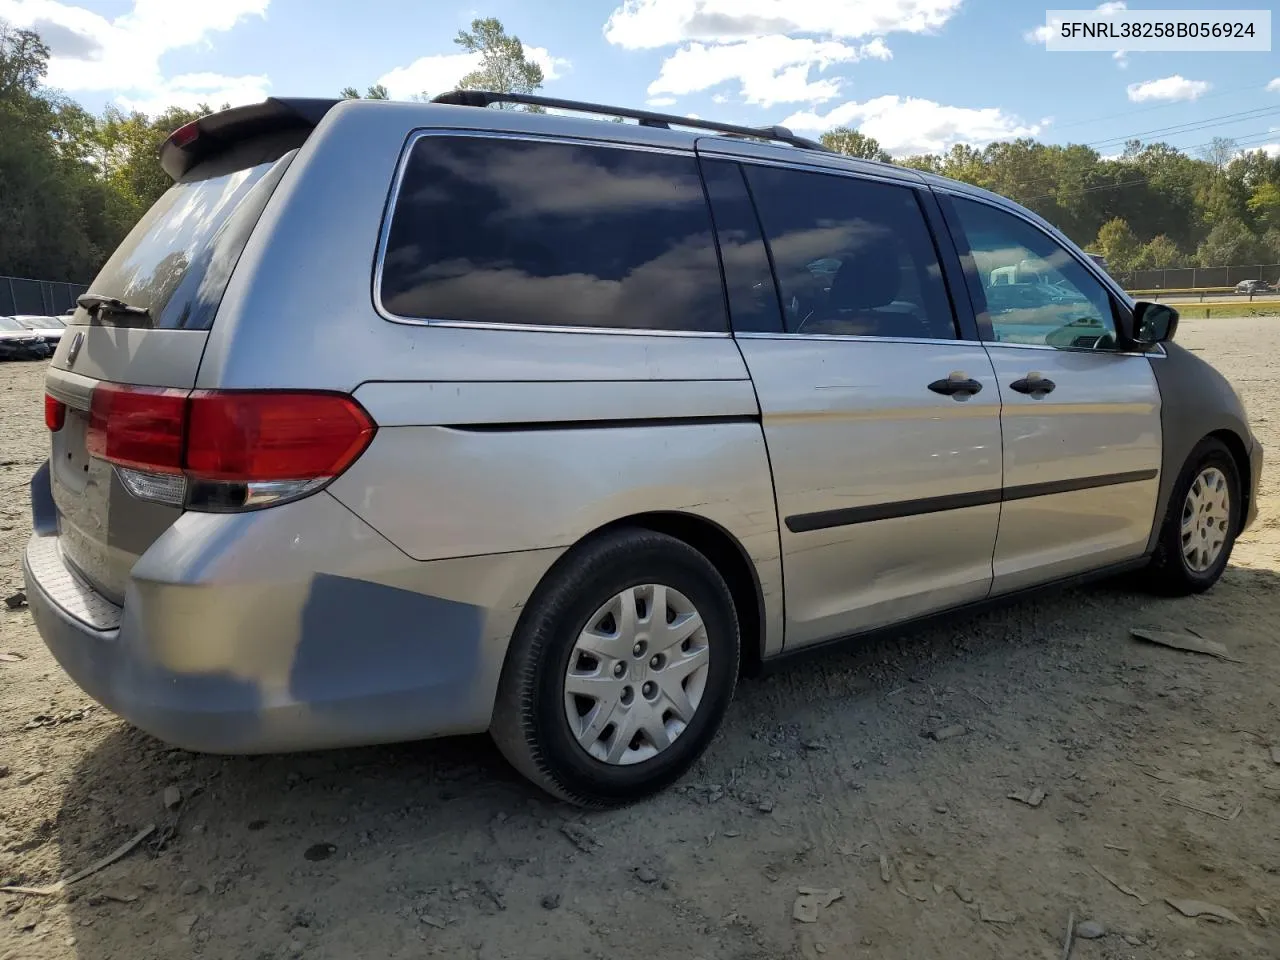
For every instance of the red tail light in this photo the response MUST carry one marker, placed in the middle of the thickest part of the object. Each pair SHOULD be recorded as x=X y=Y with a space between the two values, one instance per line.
x=229 y=443
x=184 y=134
x=139 y=427
x=55 y=413
x=268 y=435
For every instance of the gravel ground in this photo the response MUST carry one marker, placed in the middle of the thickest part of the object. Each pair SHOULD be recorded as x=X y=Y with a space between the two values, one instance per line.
x=821 y=779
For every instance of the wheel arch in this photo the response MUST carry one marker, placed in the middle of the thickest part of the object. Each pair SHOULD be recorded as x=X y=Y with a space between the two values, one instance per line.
x=1240 y=456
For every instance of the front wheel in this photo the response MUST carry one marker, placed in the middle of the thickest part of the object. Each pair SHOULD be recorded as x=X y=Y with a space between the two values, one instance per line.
x=620 y=670
x=1201 y=523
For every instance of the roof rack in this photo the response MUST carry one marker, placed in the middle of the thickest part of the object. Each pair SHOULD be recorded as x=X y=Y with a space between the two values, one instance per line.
x=646 y=118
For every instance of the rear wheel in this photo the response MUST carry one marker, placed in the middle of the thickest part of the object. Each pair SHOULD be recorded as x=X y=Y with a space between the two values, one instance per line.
x=620 y=670
x=1201 y=523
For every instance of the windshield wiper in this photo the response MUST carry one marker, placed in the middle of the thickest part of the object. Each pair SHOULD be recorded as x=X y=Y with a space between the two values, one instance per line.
x=97 y=304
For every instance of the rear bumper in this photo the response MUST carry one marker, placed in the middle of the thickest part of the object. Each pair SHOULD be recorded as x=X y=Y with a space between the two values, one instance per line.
x=220 y=648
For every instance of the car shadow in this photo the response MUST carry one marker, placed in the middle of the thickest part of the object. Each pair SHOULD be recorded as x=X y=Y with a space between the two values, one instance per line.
x=310 y=854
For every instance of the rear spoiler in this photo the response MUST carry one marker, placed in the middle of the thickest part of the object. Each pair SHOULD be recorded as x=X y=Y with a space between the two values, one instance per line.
x=210 y=135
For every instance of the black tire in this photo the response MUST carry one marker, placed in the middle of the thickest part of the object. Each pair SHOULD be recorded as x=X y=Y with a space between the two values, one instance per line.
x=1170 y=573
x=530 y=725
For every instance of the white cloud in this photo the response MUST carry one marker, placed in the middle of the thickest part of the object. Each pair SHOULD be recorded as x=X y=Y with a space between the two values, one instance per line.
x=90 y=52
x=908 y=125
x=1167 y=88
x=660 y=101
x=1121 y=58
x=1274 y=86
x=441 y=72
x=769 y=70
x=1040 y=35
x=189 y=90
x=644 y=24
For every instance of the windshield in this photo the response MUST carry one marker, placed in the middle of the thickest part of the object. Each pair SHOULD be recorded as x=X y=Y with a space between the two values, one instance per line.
x=10 y=324
x=177 y=260
x=35 y=323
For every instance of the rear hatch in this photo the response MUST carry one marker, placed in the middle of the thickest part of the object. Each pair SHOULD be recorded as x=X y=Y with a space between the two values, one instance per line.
x=118 y=384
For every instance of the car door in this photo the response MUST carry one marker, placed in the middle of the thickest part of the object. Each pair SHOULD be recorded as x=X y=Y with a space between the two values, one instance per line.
x=1080 y=416
x=881 y=421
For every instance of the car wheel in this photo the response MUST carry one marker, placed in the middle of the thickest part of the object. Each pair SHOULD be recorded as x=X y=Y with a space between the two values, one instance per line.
x=620 y=670
x=1201 y=523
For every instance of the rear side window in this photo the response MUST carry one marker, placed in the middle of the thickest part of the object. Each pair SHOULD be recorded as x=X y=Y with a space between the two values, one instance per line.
x=853 y=257
x=528 y=232
x=177 y=260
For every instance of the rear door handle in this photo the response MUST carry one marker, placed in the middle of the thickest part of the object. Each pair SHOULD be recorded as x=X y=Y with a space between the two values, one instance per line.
x=1034 y=385
x=959 y=385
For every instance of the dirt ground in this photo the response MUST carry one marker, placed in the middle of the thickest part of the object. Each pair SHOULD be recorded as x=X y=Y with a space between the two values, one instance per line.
x=1156 y=767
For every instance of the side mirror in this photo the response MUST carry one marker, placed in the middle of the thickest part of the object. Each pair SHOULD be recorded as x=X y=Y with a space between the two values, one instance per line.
x=1153 y=323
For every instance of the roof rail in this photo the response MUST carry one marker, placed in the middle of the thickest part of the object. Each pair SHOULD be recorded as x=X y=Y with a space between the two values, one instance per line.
x=646 y=118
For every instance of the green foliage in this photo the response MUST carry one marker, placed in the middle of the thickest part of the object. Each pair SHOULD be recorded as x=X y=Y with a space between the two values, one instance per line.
x=1158 y=253
x=854 y=144
x=374 y=92
x=1230 y=241
x=503 y=65
x=1117 y=243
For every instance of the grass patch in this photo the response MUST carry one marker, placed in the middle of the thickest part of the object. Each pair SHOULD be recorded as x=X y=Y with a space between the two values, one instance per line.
x=1207 y=311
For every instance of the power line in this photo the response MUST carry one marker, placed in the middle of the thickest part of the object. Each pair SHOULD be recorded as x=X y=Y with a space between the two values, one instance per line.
x=1254 y=114
x=1254 y=87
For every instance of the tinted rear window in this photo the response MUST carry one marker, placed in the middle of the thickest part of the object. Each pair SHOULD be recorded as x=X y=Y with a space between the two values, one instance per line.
x=178 y=258
x=529 y=232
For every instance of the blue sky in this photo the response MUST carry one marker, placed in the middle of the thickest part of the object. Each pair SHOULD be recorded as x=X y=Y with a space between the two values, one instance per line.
x=919 y=75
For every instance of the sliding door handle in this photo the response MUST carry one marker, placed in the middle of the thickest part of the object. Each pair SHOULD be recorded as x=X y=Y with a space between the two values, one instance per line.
x=958 y=385
x=1034 y=385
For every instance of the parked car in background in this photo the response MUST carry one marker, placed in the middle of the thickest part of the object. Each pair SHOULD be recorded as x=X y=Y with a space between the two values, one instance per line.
x=613 y=382
x=49 y=328
x=1253 y=286
x=19 y=343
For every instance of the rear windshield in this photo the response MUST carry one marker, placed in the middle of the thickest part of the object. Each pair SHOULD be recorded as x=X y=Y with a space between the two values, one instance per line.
x=177 y=260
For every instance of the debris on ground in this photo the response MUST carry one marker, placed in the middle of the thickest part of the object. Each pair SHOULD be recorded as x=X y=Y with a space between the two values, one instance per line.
x=550 y=901
x=11 y=657
x=1069 y=940
x=189 y=887
x=811 y=900
x=580 y=837
x=16 y=601
x=1226 y=811
x=55 y=719
x=112 y=857
x=885 y=873
x=646 y=875
x=172 y=797
x=1201 y=908
x=963 y=893
x=991 y=915
x=1187 y=642
x=1032 y=797
x=947 y=732
x=319 y=851
x=432 y=921
x=1090 y=930
x=765 y=805
x=1120 y=886
x=492 y=893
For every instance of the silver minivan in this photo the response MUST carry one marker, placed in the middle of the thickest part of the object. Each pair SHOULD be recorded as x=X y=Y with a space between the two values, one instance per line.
x=400 y=420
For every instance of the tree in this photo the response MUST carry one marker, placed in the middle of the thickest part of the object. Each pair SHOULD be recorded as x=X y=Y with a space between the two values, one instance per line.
x=1158 y=253
x=374 y=92
x=1116 y=242
x=1229 y=243
x=1265 y=204
x=1220 y=151
x=504 y=68
x=851 y=143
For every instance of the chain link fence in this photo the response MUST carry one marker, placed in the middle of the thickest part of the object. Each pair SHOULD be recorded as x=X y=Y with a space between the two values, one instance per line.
x=45 y=298
x=1197 y=278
